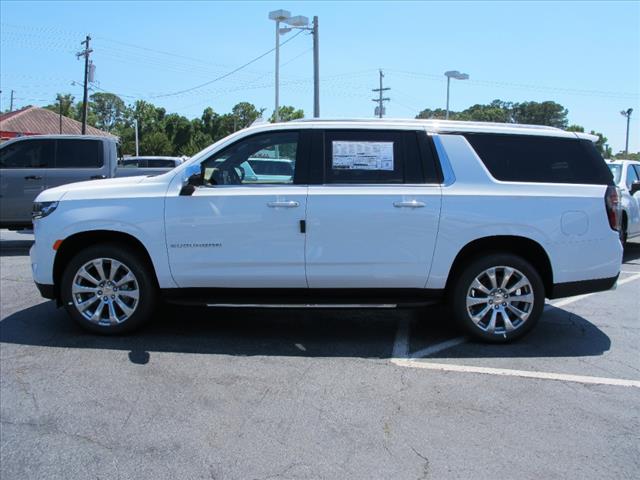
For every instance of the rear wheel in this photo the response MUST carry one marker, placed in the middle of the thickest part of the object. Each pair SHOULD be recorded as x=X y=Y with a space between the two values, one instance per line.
x=498 y=298
x=623 y=231
x=108 y=289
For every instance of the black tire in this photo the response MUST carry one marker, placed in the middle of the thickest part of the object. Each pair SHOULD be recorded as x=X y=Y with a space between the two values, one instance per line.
x=143 y=279
x=623 y=231
x=533 y=306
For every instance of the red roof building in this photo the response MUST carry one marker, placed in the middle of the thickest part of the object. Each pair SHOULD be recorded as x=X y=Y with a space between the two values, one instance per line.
x=40 y=121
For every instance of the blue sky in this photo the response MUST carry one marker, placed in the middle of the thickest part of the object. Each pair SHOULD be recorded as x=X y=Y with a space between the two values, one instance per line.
x=584 y=55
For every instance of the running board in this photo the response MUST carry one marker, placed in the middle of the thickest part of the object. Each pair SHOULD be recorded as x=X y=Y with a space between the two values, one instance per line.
x=303 y=305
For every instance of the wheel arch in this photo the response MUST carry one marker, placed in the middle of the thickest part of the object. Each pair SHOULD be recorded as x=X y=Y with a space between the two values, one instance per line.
x=524 y=247
x=78 y=241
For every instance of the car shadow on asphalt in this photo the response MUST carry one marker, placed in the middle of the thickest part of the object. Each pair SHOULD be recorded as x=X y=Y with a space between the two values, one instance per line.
x=366 y=333
x=15 y=248
x=632 y=253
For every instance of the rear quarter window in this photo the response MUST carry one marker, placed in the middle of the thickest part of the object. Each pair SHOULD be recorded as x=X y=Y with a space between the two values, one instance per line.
x=528 y=158
x=79 y=154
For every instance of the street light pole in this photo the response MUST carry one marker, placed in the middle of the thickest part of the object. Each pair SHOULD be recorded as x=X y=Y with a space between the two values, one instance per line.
x=299 y=22
x=446 y=117
x=458 y=76
x=627 y=113
x=316 y=70
x=278 y=16
x=276 y=114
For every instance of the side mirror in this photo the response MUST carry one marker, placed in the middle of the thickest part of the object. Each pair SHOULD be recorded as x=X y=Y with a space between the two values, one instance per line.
x=193 y=179
x=635 y=187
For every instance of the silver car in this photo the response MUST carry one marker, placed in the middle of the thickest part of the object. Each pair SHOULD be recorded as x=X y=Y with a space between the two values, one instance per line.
x=626 y=174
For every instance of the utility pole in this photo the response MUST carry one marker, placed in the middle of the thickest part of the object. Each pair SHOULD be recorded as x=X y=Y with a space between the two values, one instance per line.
x=626 y=113
x=379 y=111
x=85 y=106
x=11 y=102
x=135 y=124
x=60 y=112
x=316 y=69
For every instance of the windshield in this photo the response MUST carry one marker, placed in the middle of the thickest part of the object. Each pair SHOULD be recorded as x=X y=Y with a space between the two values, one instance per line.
x=616 y=170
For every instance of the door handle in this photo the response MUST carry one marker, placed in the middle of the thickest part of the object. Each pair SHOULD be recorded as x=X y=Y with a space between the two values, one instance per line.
x=290 y=204
x=97 y=177
x=33 y=177
x=409 y=204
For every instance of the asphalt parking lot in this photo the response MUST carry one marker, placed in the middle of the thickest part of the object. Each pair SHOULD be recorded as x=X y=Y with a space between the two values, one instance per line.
x=290 y=394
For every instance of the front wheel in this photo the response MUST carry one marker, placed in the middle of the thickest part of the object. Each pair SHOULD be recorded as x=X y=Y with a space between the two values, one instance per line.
x=108 y=289
x=498 y=298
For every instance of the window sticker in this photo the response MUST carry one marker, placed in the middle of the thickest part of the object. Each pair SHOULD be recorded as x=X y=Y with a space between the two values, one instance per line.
x=362 y=155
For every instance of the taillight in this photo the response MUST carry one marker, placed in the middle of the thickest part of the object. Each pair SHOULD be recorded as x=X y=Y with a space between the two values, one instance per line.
x=612 y=203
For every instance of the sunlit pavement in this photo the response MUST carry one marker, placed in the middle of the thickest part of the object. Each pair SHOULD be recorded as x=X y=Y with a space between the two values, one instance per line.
x=240 y=394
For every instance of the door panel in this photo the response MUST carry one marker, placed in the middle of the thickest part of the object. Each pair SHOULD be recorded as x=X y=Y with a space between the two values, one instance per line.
x=371 y=236
x=76 y=161
x=238 y=237
x=240 y=230
x=22 y=177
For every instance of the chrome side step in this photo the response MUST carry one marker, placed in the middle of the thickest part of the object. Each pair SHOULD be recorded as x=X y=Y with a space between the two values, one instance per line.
x=304 y=305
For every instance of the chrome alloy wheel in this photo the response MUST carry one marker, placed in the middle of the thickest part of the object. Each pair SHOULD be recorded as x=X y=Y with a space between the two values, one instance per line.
x=105 y=291
x=500 y=300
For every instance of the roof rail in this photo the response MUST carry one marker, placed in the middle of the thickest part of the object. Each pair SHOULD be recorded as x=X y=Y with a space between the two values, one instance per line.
x=432 y=122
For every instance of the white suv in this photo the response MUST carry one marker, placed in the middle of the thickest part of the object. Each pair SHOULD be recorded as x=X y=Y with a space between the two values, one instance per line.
x=626 y=175
x=493 y=218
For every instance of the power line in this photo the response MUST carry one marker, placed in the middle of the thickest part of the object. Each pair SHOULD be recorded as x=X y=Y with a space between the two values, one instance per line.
x=221 y=77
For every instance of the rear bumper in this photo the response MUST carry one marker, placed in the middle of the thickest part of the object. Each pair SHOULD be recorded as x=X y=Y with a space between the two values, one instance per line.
x=570 y=289
x=47 y=291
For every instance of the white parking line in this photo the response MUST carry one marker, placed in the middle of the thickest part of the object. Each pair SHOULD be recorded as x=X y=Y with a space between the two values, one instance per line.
x=445 y=367
x=403 y=358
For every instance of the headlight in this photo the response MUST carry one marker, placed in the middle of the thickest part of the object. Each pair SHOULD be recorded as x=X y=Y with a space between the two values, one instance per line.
x=42 y=209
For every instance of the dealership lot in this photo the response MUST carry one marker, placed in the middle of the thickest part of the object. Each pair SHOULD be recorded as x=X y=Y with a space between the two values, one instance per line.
x=239 y=394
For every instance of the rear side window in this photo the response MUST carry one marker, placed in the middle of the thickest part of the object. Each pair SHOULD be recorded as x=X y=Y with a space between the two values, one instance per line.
x=376 y=157
x=27 y=154
x=79 y=154
x=527 y=158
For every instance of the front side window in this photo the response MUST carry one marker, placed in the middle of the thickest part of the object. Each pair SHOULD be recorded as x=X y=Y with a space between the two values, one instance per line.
x=260 y=159
x=79 y=154
x=28 y=154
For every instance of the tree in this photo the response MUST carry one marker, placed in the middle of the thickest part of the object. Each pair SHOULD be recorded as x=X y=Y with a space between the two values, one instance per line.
x=245 y=114
x=438 y=113
x=496 y=111
x=288 y=113
x=66 y=101
x=546 y=113
x=108 y=110
x=155 y=143
x=179 y=130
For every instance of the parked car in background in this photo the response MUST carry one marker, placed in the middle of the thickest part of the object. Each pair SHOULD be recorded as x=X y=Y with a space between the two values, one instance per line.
x=626 y=175
x=29 y=165
x=150 y=162
x=134 y=166
x=271 y=169
x=492 y=218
